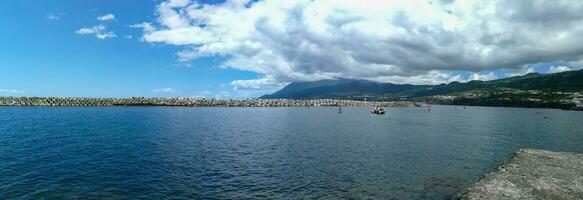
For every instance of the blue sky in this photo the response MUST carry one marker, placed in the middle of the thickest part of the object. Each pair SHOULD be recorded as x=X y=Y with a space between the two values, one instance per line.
x=240 y=49
x=45 y=57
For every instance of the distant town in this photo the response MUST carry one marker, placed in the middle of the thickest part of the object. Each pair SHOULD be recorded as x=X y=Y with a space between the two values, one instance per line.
x=512 y=98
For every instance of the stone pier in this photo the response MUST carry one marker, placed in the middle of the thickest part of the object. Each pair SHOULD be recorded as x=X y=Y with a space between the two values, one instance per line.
x=533 y=174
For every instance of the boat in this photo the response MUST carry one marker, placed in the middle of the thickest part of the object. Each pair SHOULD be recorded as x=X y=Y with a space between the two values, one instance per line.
x=378 y=111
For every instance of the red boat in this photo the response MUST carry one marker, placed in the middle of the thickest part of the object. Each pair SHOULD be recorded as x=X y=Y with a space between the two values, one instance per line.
x=378 y=111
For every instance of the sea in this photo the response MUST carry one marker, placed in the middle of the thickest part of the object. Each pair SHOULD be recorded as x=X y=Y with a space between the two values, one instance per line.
x=266 y=153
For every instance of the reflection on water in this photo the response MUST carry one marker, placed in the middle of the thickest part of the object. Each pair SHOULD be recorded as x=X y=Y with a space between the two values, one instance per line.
x=226 y=153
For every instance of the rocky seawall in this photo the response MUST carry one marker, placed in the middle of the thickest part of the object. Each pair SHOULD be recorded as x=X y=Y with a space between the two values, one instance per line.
x=194 y=102
x=533 y=174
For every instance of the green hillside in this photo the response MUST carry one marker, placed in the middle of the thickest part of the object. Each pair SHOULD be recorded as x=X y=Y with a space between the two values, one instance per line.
x=558 y=90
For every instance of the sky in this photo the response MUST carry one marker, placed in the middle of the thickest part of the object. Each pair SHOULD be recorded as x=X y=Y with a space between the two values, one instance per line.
x=244 y=49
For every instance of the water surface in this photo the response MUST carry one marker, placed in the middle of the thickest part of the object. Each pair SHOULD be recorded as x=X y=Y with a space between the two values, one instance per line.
x=245 y=153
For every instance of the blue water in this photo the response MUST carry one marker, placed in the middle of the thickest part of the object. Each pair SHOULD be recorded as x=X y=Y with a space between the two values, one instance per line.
x=275 y=153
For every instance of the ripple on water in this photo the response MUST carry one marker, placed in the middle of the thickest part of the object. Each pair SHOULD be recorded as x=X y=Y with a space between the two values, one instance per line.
x=257 y=153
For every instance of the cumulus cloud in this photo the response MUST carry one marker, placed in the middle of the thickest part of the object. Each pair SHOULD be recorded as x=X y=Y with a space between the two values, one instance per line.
x=559 y=69
x=107 y=17
x=99 y=31
x=11 y=91
x=165 y=90
x=412 y=41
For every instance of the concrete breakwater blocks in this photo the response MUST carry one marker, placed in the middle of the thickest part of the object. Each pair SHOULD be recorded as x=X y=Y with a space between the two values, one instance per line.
x=178 y=101
x=533 y=174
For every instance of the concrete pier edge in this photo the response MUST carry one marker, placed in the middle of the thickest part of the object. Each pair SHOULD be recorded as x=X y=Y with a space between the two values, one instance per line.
x=532 y=174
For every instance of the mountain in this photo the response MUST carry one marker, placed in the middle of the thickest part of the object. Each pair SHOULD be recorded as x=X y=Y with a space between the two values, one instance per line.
x=341 y=88
x=530 y=90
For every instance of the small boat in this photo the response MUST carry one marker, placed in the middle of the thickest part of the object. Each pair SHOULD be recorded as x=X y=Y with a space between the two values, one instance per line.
x=378 y=111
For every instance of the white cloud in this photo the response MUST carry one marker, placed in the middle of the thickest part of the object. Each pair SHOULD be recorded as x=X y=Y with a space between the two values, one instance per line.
x=165 y=90
x=430 y=78
x=577 y=64
x=99 y=31
x=11 y=91
x=257 y=84
x=54 y=16
x=482 y=77
x=526 y=69
x=107 y=17
x=400 y=41
x=558 y=69
x=147 y=27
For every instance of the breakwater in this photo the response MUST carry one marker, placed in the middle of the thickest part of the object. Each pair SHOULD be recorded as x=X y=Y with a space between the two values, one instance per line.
x=193 y=102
